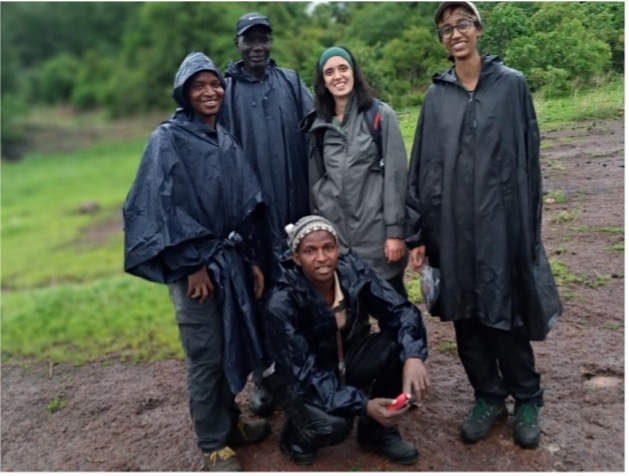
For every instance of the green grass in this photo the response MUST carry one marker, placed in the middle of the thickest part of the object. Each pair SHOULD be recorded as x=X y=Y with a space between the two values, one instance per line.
x=77 y=323
x=566 y=216
x=604 y=102
x=562 y=274
x=556 y=196
x=55 y=404
x=447 y=347
x=615 y=230
x=618 y=247
x=40 y=223
x=413 y=287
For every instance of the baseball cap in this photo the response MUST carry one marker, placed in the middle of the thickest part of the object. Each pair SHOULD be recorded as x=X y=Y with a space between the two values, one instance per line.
x=251 y=19
x=468 y=5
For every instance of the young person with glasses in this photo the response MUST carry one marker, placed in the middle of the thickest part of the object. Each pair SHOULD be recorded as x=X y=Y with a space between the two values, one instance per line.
x=474 y=204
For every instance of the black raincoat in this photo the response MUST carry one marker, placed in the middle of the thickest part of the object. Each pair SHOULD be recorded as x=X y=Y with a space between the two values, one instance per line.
x=195 y=200
x=475 y=200
x=264 y=114
x=302 y=330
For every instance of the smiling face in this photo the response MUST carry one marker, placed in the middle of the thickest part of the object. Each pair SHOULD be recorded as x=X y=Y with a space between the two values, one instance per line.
x=205 y=95
x=338 y=77
x=318 y=255
x=254 y=46
x=460 y=45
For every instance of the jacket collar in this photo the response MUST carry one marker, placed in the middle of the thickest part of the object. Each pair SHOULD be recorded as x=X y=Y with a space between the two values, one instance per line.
x=489 y=66
x=236 y=70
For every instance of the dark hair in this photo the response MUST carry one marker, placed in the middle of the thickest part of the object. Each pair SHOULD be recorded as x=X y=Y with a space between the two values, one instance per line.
x=324 y=101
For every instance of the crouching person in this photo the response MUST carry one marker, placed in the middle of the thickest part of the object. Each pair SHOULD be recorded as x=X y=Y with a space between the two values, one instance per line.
x=328 y=367
x=189 y=223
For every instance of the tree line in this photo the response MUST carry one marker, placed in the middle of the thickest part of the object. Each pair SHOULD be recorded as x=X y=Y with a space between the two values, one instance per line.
x=122 y=56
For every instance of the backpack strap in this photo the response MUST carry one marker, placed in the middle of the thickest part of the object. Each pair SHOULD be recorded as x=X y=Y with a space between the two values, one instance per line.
x=373 y=119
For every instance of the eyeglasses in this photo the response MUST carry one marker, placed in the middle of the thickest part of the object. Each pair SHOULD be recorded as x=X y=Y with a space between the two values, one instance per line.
x=462 y=26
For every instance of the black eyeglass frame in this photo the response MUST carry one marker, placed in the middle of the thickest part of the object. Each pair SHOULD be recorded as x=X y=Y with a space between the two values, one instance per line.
x=450 y=28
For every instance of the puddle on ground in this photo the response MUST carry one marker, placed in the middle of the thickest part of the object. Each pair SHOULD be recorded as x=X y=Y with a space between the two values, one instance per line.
x=602 y=381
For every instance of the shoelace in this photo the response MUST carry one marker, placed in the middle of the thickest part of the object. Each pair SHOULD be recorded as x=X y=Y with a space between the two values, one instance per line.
x=224 y=453
x=527 y=414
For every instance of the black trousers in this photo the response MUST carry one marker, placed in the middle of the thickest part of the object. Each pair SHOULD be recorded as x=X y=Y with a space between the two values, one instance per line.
x=498 y=363
x=373 y=364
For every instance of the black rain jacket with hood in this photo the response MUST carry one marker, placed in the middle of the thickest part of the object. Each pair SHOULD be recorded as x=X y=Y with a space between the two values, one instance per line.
x=475 y=201
x=303 y=330
x=196 y=201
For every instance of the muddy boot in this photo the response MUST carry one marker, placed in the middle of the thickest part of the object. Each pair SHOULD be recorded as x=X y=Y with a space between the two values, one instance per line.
x=300 y=453
x=387 y=442
x=480 y=420
x=526 y=431
x=221 y=460
x=244 y=433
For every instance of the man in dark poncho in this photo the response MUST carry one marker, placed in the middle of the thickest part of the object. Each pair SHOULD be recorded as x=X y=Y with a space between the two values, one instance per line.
x=329 y=368
x=194 y=219
x=263 y=107
x=475 y=207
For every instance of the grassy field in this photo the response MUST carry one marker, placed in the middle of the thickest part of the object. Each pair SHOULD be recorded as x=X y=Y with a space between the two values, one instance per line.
x=65 y=297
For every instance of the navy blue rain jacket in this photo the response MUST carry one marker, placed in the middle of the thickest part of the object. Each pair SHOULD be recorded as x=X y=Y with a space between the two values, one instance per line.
x=263 y=114
x=196 y=201
x=302 y=329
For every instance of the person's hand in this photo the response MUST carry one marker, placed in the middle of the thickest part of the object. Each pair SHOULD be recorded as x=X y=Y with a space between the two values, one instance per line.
x=377 y=409
x=415 y=379
x=417 y=257
x=394 y=249
x=258 y=281
x=199 y=285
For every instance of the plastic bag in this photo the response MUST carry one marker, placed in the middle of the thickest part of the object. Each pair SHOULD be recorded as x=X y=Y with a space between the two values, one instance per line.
x=429 y=283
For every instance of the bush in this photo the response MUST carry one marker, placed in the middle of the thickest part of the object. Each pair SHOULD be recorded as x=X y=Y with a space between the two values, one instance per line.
x=57 y=78
x=12 y=137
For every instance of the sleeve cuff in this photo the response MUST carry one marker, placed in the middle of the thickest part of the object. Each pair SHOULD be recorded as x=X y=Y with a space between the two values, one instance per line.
x=395 y=231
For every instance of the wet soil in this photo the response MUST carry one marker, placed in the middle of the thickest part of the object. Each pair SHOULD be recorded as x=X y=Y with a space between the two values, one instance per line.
x=113 y=416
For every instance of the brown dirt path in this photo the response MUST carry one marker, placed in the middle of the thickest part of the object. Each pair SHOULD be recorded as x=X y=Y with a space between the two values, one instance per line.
x=123 y=417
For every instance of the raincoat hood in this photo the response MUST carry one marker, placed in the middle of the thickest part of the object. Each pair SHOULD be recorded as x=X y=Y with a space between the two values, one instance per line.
x=191 y=65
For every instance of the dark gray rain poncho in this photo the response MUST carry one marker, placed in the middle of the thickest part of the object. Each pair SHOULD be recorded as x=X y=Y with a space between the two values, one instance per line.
x=263 y=114
x=195 y=200
x=475 y=201
x=303 y=330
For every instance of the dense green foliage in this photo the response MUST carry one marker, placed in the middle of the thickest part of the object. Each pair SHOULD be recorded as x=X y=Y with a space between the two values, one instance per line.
x=65 y=297
x=122 y=55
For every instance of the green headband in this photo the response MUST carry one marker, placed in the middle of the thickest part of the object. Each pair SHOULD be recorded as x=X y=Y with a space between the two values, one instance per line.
x=335 y=51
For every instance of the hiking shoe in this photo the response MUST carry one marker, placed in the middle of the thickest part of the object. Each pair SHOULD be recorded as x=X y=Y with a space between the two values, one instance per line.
x=480 y=420
x=221 y=460
x=244 y=433
x=386 y=442
x=526 y=431
x=261 y=401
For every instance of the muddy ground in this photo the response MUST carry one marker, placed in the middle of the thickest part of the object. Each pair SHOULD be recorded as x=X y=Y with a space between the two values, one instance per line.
x=123 y=417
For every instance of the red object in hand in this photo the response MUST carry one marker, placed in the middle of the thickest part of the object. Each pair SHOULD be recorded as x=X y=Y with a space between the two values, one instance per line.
x=399 y=402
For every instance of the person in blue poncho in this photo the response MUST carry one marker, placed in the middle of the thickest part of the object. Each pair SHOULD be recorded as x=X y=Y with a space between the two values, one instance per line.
x=195 y=220
x=263 y=108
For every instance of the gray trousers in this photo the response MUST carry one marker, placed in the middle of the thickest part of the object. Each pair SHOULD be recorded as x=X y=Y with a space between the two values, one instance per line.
x=212 y=406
